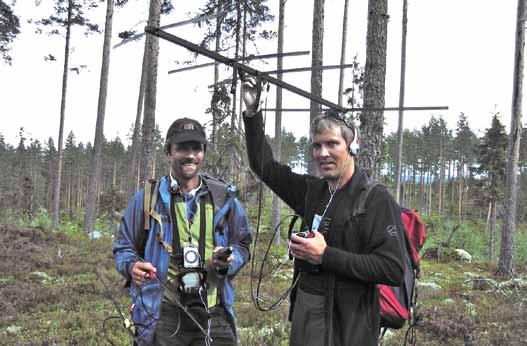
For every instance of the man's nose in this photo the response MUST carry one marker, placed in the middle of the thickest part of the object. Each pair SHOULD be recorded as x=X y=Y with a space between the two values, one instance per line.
x=324 y=152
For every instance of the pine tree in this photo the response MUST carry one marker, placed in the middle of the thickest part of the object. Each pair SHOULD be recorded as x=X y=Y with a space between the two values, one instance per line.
x=96 y=163
x=492 y=160
x=66 y=14
x=9 y=29
x=317 y=54
x=152 y=56
x=464 y=150
x=343 y=50
x=372 y=122
x=400 y=137
x=275 y=218
x=506 y=263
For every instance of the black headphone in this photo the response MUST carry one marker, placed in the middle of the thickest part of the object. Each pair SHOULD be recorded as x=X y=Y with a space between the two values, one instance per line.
x=354 y=146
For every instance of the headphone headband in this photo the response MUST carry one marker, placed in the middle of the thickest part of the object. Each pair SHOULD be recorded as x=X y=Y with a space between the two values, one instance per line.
x=354 y=146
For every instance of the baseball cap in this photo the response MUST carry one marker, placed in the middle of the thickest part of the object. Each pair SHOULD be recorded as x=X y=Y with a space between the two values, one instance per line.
x=185 y=130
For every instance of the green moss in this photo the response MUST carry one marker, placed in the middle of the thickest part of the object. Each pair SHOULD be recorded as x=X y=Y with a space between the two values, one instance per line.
x=70 y=308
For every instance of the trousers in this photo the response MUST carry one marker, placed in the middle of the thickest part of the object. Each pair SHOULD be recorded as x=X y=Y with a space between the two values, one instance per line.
x=308 y=325
x=175 y=328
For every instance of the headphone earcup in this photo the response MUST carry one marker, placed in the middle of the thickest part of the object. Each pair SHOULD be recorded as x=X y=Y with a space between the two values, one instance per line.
x=354 y=148
x=174 y=186
x=354 y=145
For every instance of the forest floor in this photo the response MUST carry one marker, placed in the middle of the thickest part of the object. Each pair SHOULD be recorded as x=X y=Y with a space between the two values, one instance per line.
x=51 y=295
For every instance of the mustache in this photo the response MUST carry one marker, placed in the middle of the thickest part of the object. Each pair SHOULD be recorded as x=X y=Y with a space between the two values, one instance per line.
x=186 y=161
x=327 y=161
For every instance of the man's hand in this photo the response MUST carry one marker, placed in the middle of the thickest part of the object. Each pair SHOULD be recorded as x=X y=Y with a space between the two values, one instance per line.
x=308 y=249
x=141 y=272
x=217 y=267
x=218 y=262
x=253 y=95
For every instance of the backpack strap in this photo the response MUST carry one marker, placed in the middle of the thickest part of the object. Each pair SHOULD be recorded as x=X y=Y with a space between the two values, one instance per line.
x=147 y=199
x=202 y=229
x=360 y=208
x=151 y=190
x=146 y=205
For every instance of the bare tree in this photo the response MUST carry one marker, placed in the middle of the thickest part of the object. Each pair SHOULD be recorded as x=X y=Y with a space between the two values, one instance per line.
x=343 y=50
x=372 y=121
x=317 y=51
x=136 y=137
x=96 y=162
x=217 y=48
x=234 y=157
x=441 y=186
x=148 y=128
x=66 y=13
x=400 y=127
x=56 y=196
x=278 y=115
x=506 y=262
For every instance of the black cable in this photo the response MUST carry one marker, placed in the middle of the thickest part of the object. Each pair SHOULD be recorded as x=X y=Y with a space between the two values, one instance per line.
x=178 y=303
x=412 y=337
x=284 y=295
x=122 y=317
x=256 y=297
x=154 y=319
x=257 y=233
x=104 y=328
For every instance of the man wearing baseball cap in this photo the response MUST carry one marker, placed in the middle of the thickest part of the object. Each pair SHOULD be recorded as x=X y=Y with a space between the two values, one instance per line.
x=182 y=261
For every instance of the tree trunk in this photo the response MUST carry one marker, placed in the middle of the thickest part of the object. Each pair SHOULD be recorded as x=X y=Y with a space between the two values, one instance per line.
x=60 y=154
x=372 y=122
x=68 y=198
x=342 y=49
x=96 y=165
x=150 y=94
x=278 y=117
x=79 y=193
x=114 y=175
x=244 y=54
x=136 y=137
x=441 y=187
x=508 y=228
x=50 y=183
x=413 y=196
x=400 y=127
x=233 y=162
x=452 y=185
x=492 y=229
x=317 y=49
x=429 y=199
x=460 y=192
x=421 y=188
x=219 y=20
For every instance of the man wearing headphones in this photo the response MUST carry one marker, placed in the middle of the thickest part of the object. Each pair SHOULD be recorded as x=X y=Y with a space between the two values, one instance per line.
x=342 y=258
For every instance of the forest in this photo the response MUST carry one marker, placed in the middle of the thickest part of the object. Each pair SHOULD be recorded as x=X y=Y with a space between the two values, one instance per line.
x=62 y=199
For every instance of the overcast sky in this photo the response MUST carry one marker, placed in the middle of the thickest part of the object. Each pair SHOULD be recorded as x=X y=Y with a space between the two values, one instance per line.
x=459 y=54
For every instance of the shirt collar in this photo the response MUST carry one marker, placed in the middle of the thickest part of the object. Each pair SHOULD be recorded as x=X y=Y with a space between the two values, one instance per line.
x=174 y=186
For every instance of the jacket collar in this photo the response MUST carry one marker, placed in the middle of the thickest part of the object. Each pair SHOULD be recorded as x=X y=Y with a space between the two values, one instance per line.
x=357 y=183
x=165 y=188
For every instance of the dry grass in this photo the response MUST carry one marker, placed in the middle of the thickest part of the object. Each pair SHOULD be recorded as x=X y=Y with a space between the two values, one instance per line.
x=51 y=296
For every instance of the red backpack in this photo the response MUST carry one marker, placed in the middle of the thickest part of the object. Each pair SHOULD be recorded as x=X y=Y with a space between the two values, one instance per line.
x=396 y=302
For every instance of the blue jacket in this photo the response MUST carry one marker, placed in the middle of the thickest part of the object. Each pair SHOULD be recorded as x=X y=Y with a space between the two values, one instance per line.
x=231 y=228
